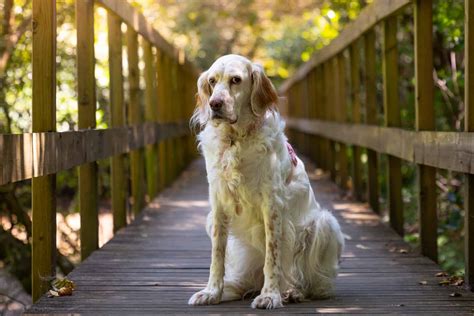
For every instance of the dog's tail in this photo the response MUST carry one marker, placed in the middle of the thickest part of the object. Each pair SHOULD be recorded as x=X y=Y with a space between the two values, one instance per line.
x=318 y=255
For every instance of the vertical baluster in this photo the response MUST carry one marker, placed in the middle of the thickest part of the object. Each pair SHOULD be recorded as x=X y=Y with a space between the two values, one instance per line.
x=44 y=120
x=117 y=111
x=469 y=127
x=424 y=108
x=371 y=118
x=392 y=119
x=341 y=116
x=135 y=118
x=86 y=93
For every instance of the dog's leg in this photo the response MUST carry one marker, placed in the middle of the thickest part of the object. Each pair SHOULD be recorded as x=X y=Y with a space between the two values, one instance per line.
x=212 y=294
x=270 y=296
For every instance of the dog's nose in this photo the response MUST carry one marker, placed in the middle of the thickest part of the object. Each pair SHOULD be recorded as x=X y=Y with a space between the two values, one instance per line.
x=216 y=104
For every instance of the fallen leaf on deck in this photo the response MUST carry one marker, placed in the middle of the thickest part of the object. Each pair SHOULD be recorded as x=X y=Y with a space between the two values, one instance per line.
x=53 y=293
x=423 y=282
x=455 y=294
x=441 y=274
x=403 y=251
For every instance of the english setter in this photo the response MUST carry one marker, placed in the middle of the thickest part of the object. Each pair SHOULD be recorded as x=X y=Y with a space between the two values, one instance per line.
x=268 y=233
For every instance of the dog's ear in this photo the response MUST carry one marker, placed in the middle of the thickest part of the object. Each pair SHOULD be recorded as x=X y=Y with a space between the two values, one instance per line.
x=201 y=113
x=264 y=95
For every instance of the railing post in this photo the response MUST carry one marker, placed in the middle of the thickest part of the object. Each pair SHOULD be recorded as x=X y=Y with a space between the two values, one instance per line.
x=469 y=127
x=424 y=108
x=392 y=119
x=135 y=118
x=329 y=105
x=371 y=118
x=341 y=115
x=151 y=109
x=44 y=120
x=355 y=100
x=86 y=93
x=117 y=115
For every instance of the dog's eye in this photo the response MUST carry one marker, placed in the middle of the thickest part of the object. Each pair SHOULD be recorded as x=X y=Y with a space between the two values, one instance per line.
x=235 y=80
x=212 y=81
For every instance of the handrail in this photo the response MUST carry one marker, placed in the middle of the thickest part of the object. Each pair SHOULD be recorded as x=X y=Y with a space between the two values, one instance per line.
x=154 y=134
x=322 y=91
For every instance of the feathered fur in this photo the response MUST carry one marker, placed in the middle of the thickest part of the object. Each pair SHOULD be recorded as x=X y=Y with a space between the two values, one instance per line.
x=268 y=233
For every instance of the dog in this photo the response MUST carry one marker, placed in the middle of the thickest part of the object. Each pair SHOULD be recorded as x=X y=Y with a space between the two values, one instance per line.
x=269 y=235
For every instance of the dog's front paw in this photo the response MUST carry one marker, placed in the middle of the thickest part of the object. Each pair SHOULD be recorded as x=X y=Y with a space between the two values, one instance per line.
x=206 y=297
x=268 y=300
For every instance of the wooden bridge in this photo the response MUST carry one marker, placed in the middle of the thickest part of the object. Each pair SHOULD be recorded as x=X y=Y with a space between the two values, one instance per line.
x=154 y=264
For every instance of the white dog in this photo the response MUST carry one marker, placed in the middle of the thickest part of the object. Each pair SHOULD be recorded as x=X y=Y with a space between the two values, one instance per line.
x=268 y=233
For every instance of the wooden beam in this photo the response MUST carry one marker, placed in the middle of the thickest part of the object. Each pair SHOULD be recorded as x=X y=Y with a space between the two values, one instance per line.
x=330 y=108
x=425 y=120
x=151 y=114
x=367 y=19
x=392 y=119
x=43 y=194
x=371 y=118
x=134 y=118
x=117 y=119
x=86 y=92
x=469 y=127
x=356 y=118
x=341 y=116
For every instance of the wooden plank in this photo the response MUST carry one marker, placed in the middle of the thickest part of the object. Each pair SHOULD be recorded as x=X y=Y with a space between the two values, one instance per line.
x=341 y=116
x=392 y=119
x=367 y=19
x=86 y=93
x=151 y=114
x=425 y=120
x=43 y=195
x=356 y=118
x=469 y=127
x=138 y=22
x=117 y=119
x=163 y=90
x=371 y=118
x=157 y=273
x=329 y=105
x=134 y=118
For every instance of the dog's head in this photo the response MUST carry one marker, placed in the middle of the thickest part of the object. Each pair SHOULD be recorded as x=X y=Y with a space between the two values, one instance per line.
x=233 y=90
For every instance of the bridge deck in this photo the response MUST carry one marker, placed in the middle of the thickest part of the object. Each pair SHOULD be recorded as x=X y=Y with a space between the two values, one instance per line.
x=155 y=264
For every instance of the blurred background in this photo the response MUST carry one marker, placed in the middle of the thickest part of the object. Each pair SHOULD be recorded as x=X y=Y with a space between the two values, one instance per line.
x=281 y=35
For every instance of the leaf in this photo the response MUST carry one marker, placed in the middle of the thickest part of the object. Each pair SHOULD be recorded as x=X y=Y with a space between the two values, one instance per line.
x=423 y=282
x=65 y=291
x=441 y=274
x=455 y=294
x=53 y=293
x=444 y=282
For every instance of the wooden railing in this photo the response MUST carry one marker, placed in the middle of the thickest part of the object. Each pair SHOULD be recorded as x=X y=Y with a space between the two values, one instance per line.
x=317 y=116
x=157 y=140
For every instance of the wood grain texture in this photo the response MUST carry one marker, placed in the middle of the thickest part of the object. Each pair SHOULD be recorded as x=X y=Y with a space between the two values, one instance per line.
x=86 y=94
x=392 y=118
x=155 y=264
x=117 y=119
x=469 y=127
x=43 y=189
x=135 y=115
x=425 y=120
x=371 y=118
x=371 y=15
x=356 y=117
x=443 y=150
x=341 y=116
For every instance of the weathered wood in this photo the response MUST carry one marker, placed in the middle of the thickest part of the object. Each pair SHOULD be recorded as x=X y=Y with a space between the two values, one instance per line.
x=341 y=116
x=43 y=189
x=151 y=114
x=392 y=119
x=86 y=93
x=134 y=118
x=154 y=265
x=367 y=19
x=424 y=109
x=371 y=118
x=163 y=90
x=356 y=117
x=469 y=127
x=330 y=108
x=138 y=22
x=117 y=119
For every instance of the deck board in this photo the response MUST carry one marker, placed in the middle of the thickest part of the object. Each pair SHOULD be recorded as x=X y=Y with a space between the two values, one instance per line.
x=156 y=263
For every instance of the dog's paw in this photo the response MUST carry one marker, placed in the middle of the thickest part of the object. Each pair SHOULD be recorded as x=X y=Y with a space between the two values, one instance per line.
x=293 y=296
x=206 y=297
x=268 y=301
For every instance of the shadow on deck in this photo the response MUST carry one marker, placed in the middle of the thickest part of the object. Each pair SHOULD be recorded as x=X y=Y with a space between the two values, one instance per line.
x=154 y=265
